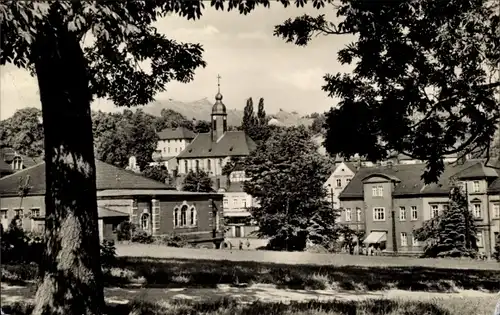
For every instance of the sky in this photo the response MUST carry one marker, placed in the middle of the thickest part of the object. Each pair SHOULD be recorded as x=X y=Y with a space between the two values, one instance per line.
x=242 y=50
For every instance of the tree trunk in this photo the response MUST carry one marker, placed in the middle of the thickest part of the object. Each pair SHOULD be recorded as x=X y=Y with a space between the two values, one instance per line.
x=71 y=276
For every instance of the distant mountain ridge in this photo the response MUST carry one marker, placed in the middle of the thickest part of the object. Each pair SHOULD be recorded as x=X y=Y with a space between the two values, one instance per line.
x=201 y=110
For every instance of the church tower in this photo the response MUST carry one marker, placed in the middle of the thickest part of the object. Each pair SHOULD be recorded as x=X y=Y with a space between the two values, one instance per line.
x=219 y=115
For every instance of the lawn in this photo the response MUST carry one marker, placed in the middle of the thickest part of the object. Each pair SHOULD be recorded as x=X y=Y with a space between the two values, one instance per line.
x=203 y=273
x=233 y=307
x=301 y=258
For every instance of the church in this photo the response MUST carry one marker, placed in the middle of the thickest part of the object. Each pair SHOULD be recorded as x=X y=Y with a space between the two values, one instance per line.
x=210 y=152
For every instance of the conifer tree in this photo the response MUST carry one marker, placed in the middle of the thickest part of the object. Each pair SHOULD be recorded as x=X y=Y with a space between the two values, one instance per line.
x=452 y=233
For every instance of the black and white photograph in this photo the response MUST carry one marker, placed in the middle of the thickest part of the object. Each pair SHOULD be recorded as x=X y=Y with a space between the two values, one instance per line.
x=237 y=157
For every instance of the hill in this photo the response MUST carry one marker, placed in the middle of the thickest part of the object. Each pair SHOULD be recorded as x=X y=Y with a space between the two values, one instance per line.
x=201 y=110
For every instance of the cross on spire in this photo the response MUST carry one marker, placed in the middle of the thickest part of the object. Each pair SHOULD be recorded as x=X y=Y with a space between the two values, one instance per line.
x=218 y=83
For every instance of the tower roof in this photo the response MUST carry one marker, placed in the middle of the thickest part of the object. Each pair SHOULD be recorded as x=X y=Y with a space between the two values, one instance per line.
x=219 y=108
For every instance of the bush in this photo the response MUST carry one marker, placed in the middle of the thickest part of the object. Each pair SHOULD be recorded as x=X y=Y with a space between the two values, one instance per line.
x=172 y=240
x=142 y=237
x=108 y=254
x=18 y=246
x=125 y=230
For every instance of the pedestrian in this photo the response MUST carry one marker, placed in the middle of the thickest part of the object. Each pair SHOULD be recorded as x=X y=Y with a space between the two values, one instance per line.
x=241 y=245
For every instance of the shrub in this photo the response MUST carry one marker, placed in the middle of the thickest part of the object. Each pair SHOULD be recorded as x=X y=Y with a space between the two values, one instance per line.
x=172 y=240
x=142 y=237
x=108 y=254
x=496 y=254
x=125 y=230
x=18 y=246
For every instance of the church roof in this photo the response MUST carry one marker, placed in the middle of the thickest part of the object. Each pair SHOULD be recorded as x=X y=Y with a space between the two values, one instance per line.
x=107 y=177
x=232 y=143
x=176 y=133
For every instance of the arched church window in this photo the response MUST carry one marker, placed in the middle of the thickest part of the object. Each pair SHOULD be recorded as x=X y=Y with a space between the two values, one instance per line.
x=176 y=217
x=193 y=218
x=184 y=215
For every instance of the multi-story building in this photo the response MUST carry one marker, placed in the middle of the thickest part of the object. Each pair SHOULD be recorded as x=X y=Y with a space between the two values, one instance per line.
x=338 y=180
x=210 y=152
x=391 y=201
x=171 y=142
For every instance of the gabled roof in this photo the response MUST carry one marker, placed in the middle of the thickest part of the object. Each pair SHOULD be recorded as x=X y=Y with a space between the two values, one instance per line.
x=107 y=177
x=410 y=176
x=232 y=143
x=176 y=133
x=478 y=170
x=8 y=154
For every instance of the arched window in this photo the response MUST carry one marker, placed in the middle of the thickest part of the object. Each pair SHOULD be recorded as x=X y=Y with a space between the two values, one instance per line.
x=145 y=221
x=184 y=215
x=185 y=166
x=17 y=163
x=193 y=218
x=176 y=217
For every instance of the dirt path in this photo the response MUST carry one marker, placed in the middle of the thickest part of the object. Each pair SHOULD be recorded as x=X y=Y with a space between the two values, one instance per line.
x=267 y=293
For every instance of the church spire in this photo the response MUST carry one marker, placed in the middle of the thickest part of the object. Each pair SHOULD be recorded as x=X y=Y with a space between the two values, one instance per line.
x=219 y=115
x=218 y=96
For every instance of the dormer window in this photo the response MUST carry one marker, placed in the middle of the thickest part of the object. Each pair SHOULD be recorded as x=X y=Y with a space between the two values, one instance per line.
x=17 y=163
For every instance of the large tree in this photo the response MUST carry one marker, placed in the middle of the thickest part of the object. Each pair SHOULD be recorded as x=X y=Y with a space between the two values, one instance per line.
x=23 y=132
x=286 y=176
x=197 y=181
x=422 y=80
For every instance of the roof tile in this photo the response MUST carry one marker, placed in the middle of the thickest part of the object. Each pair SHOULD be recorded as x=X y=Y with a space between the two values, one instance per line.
x=232 y=143
x=176 y=133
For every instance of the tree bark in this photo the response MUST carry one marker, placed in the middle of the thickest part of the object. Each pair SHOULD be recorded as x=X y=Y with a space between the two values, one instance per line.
x=71 y=276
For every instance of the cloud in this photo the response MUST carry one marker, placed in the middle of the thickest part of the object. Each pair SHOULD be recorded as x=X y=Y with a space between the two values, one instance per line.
x=304 y=79
x=195 y=34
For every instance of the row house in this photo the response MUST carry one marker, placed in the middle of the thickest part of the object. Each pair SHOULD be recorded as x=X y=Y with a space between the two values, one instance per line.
x=171 y=142
x=341 y=176
x=390 y=202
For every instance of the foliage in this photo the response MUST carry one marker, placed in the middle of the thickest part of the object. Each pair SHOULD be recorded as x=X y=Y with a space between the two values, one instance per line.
x=202 y=126
x=286 y=176
x=496 y=253
x=156 y=172
x=140 y=236
x=197 y=181
x=19 y=247
x=23 y=132
x=125 y=230
x=172 y=240
x=108 y=254
x=422 y=79
x=446 y=234
x=319 y=123
x=255 y=125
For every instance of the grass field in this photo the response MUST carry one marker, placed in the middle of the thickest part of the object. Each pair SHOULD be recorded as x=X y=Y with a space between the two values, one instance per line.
x=198 y=273
x=232 y=307
x=302 y=258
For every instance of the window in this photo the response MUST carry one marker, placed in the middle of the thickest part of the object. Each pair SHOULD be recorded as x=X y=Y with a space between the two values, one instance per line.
x=404 y=239
x=184 y=215
x=434 y=211
x=17 y=163
x=186 y=166
x=414 y=213
x=192 y=220
x=480 y=239
x=339 y=182
x=168 y=149
x=3 y=214
x=35 y=212
x=348 y=180
x=145 y=221
x=225 y=202
x=175 y=150
x=235 y=202
x=380 y=191
x=197 y=165
x=402 y=214
x=348 y=214
x=358 y=214
x=176 y=217
x=446 y=207
x=477 y=210
x=209 y=165
x=378 y=214
x=475 y=186
x=496 y=210
x=414 y=241
x=243 y=203
x=377 y=191
x=237 y=231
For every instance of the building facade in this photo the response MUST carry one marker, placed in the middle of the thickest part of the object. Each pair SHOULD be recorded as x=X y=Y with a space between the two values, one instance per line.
x=394 y=202
x=338 y=180
x=154 y=207
x=171 y=142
